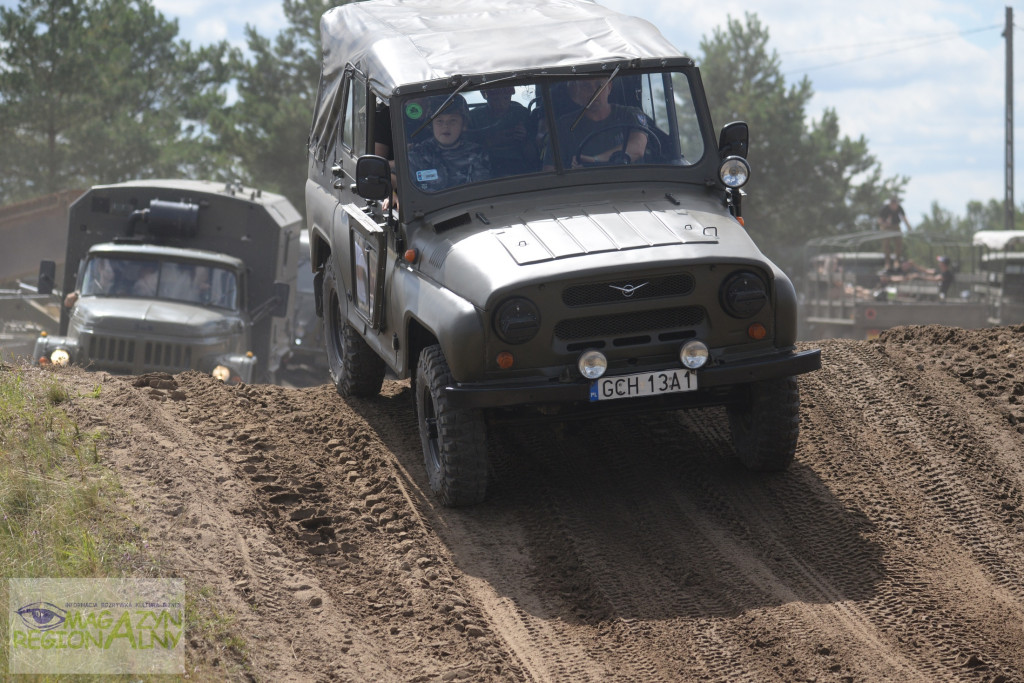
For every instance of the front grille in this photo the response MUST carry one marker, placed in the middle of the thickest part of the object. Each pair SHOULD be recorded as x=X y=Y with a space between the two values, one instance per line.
x=164 y=355
x=112 y=350
x=119 y=354
x=604 y=326
x=625 y=291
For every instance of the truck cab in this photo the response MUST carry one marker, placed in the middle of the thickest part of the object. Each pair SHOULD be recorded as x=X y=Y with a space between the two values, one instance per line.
x=523 y=224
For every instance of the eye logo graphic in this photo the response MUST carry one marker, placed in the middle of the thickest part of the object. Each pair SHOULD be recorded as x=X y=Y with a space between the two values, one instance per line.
x=41 y=616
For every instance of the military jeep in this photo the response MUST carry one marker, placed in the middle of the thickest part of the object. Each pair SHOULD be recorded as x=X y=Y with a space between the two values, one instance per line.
x=523 y=207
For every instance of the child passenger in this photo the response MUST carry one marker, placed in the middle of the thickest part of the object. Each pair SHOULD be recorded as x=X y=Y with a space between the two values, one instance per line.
x=448 y=159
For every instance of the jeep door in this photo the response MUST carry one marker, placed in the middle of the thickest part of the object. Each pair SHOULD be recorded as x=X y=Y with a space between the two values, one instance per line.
x=359 y=239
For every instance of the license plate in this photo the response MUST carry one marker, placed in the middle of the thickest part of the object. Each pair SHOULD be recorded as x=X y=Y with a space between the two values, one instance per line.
x=643 y=384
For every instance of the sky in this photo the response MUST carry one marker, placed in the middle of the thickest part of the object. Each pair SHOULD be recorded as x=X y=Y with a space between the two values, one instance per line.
x=923 y=81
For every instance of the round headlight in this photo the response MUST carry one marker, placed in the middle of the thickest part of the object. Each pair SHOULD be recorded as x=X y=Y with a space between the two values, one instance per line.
x=694 y=354
x=592 y=364
x=60 y=357
x=222 y=373
x=734 y=172
x=517 y=321
x=744 y=294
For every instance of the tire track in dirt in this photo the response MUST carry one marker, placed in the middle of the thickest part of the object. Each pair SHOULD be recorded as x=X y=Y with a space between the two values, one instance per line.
x=907 y=484
x=625 y=549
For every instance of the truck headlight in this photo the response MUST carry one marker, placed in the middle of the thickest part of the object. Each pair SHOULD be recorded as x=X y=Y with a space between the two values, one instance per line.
x=734 y=172
x=60 y=357
x=694 y=354
x=592 y=364
x=517 y=321
x=743 y=294
x=221 y=372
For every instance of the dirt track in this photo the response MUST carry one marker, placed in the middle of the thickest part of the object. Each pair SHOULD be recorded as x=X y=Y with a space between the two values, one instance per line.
x=893 y=550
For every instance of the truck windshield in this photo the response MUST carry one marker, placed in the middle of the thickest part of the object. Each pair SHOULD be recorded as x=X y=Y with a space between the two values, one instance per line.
x=190 y=282
x=552 y=125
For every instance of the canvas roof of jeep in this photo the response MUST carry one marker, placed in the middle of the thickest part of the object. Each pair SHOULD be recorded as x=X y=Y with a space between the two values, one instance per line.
x=397 y=43
x=400 y=42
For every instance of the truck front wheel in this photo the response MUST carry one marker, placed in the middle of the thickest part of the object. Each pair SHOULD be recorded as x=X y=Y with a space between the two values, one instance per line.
x=765 y=424
x=354 y=367
x=454 y=439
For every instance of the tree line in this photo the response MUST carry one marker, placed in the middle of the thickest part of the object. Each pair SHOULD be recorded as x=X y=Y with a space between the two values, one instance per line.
x=102 y=91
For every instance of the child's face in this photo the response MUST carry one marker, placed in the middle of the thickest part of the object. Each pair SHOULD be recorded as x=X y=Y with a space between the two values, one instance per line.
x=448 y=128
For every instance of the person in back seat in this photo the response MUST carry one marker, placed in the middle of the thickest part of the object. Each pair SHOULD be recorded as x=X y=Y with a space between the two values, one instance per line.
x=502 y=127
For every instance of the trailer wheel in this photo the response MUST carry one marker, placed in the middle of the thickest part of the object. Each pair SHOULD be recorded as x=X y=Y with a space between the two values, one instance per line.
x=765 y=424
x=454 y=439
x=354 y=367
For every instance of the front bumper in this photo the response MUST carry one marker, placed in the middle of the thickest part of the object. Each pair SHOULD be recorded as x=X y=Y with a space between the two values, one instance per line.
x=491 y=395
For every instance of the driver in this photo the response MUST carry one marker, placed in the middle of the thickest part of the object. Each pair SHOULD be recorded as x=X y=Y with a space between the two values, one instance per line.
x=613 y=133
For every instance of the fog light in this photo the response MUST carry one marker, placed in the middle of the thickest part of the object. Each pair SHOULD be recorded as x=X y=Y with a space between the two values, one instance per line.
x=222 y=373
x=505 y=360
x=757 y=331
x=60 y=357
x=694 y=354
x=592 y=364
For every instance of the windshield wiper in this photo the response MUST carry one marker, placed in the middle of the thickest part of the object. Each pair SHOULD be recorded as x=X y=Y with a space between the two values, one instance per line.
x=594 y=97
x=440 y=109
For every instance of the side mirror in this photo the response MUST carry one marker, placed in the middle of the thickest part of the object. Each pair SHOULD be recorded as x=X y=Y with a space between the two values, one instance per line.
x=734 y=140
x=373 y=177
x=281 y=292
x=47 y=275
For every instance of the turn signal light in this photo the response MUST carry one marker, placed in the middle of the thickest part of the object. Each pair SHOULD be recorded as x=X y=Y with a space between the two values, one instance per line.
x=505 y=360
x=410 y=256
x=757 y=331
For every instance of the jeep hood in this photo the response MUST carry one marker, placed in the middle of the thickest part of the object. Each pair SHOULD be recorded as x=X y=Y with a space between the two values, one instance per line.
x=147 y=318
x=549 y=245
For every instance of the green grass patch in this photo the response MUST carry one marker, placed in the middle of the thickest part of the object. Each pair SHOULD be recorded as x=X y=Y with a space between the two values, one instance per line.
x=61 y=517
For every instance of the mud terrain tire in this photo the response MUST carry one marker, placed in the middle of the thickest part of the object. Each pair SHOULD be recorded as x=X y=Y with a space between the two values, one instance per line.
x=454 y=439
x=766 y=423
x=354 y=367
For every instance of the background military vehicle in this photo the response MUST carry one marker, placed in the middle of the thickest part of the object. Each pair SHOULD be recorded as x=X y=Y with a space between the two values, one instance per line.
x=305 y=362
x=851 y=290
x=601 y=267
x=1002 y=264
x=174 y=275
x=37 y=228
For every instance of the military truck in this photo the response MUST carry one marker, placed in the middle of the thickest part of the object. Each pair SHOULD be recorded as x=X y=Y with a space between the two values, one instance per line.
x=557 y=235
x=853 y=290
x=306 y=356
x=175 y=275
x=1002 y=262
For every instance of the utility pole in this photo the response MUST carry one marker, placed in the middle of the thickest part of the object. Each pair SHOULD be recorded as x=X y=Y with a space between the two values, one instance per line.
x=1008 y=220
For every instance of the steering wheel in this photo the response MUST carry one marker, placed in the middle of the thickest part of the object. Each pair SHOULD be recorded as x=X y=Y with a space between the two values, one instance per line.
x=619 y=156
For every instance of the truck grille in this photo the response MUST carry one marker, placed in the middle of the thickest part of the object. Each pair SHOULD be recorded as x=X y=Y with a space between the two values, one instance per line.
x=625 y=291
x=665 y=320
x=118 y=354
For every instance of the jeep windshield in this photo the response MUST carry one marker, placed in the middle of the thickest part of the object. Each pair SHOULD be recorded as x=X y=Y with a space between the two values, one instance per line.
x=188 y=282
x=551 y=125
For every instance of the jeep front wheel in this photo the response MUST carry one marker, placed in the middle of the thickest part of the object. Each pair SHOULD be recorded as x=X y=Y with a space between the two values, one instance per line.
x=354 y=367
x=454 y=439
x=765 y=424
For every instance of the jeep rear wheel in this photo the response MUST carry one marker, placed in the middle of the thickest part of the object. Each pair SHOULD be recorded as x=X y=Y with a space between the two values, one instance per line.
x=765 y=424
x=354 y=367
x=454 y=439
